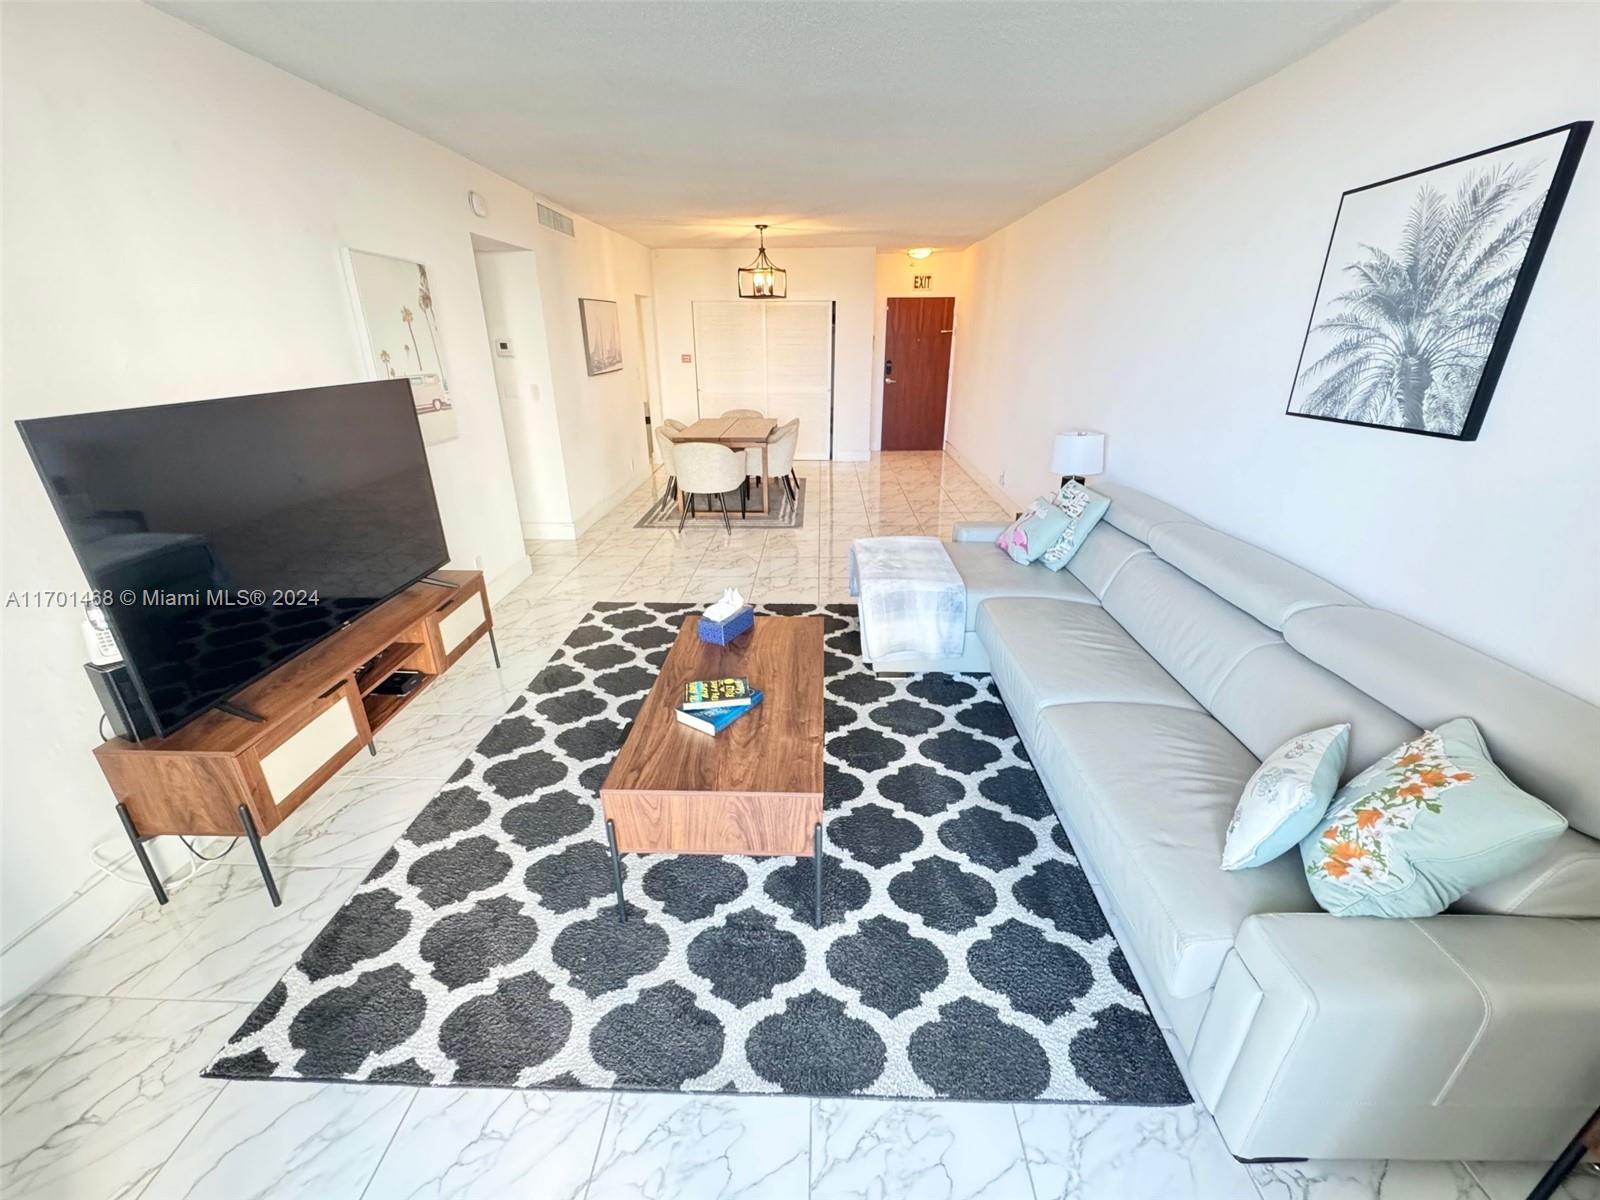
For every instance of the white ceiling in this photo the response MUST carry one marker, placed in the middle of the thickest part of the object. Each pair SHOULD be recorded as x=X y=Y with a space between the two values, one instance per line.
x=838 y=123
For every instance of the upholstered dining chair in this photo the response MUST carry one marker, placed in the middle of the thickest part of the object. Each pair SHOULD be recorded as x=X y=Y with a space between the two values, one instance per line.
x=780 y=456
x=668 y=450
x=752 y=456
x=705 y=468
x=742 y=412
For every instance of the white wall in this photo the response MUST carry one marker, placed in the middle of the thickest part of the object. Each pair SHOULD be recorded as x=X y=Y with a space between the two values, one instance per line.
x=893 y=275
x=174 y=212
x=513 y=309
x=602 y=417
x=842 y=275
x=1165 y=301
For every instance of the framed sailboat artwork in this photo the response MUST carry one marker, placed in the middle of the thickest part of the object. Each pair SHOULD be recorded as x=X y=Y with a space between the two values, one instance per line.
x=602 y=335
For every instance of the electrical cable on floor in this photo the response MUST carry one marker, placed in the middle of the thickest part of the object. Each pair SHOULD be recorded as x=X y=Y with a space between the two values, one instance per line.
x=207 y=857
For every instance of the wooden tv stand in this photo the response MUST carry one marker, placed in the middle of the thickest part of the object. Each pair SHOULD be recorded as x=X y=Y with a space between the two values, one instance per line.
x=228 y=775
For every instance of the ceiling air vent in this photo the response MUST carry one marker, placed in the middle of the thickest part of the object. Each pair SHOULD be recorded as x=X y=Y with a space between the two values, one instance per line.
x=551 y=219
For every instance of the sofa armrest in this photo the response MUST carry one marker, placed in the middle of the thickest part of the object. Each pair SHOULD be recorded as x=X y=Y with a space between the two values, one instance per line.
x=1451 y=1037
x=976 y=531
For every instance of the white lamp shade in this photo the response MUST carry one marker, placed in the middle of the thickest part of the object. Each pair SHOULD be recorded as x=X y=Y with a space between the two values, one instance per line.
x=1081 y=452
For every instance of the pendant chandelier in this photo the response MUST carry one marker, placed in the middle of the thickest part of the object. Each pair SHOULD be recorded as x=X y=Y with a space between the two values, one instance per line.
x=762 y=280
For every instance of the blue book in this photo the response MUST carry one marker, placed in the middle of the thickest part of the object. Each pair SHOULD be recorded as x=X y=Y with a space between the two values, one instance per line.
x=715 y=720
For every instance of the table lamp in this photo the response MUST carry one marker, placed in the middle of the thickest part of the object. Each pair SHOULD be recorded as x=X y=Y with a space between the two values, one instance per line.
x=1078 y=453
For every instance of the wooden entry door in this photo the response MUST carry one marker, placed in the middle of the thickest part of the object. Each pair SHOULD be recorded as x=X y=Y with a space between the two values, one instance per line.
x=916 y=371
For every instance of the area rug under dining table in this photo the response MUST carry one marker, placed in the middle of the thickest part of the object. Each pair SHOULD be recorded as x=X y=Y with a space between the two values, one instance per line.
x=962 y=954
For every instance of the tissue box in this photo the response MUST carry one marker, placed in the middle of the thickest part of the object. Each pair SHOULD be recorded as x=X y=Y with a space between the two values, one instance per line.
x=720 y=633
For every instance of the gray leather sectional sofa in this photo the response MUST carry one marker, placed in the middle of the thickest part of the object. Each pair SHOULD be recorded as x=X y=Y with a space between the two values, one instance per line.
x=1147 y=680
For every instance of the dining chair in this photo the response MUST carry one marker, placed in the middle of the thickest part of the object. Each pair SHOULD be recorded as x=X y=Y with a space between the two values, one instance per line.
x=780 y=457
x=705 y=468
x=752 y=456
x=668 y=450
x=743 y=412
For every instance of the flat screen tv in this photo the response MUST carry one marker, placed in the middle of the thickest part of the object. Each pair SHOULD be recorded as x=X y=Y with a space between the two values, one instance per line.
x=223 y=537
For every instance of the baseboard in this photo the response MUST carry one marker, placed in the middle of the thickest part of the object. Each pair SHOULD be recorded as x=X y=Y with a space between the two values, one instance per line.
x=852 y=456
x=506 y=582
x=604 y=505
x=996 y=492
x=549 y=531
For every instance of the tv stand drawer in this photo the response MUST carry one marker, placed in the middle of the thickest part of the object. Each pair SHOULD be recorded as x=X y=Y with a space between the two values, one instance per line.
x=318 y=748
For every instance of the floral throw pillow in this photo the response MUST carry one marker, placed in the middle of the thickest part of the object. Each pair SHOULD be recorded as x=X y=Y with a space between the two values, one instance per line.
x=1286 y=798
x=1083 y=509
x=1032 y=533
x=1420 y=828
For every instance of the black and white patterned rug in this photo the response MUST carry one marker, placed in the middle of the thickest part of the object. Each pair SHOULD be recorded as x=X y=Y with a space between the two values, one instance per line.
x=962 y=954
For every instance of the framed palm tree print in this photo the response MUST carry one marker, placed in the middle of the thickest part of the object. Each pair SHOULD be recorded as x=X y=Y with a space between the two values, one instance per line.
x=1425 y=279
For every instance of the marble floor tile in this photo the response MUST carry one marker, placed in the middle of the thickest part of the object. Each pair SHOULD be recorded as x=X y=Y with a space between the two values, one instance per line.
x=481 y=1144
x=703 y=1147
x=1365 y=1181
x=101 y=1120
x=117 y=961
x=422 y=745
x=914 y=1150
x=351 y=825
x=39 y=1029
x=1100 y=1152
x=1513 y=1181
x=236 y=948
x=283 y=1140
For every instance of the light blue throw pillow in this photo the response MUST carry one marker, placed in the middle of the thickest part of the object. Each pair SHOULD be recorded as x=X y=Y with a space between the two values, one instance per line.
x=1286 y=798
x=1034 y=532
x=1423 y=826
x=1083 y=509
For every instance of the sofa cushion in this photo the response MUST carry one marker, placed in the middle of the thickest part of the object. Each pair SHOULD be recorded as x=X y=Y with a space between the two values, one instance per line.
x=1564 y=881
x=1044 y=652
x=988 y=573
x=1146 y=792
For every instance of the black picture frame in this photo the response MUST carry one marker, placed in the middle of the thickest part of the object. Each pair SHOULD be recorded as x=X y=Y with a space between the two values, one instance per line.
x=1577 y=135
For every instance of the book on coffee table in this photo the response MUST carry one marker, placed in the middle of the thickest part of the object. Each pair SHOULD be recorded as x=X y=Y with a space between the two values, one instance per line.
x=715 y=693
x=715 y=720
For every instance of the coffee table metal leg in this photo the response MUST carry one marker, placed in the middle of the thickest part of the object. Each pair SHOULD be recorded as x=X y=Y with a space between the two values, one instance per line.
x=616 y=871
x=816 y=857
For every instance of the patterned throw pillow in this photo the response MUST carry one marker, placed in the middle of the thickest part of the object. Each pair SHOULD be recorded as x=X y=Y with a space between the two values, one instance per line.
x=1286 y=798
x=1083 y=509
x=1420 y=828
x=1031 y=534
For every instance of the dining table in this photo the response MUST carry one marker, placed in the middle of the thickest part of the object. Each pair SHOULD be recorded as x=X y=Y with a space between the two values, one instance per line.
x=736 y=433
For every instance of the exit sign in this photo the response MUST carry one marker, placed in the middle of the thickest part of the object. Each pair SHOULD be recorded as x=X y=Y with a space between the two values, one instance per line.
x=921 y=283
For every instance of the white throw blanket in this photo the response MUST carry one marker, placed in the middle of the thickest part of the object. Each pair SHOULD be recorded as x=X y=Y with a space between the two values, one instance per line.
x=913 y=600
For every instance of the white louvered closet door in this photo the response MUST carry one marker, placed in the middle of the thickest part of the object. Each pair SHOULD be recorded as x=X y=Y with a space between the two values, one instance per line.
x=775 y=356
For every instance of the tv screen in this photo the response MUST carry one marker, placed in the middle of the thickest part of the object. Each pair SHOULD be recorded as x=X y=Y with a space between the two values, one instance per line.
x=226 y=536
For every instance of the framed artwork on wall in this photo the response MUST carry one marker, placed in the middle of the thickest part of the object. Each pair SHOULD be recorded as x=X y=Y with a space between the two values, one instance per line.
x=1423 y=284
x=394 y=303
x=602 y=335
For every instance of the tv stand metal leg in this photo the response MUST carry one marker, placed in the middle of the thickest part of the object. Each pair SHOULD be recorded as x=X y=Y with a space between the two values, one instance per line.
x=249 y=824
x=494 y=648
x=139 y=853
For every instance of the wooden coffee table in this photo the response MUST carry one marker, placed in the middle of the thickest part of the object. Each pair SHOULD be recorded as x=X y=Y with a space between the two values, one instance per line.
x=756 y=787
